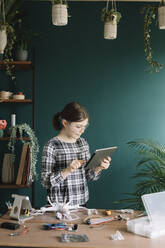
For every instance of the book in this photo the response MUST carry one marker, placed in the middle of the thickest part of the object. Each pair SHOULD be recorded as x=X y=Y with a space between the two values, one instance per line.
x=22 y=164
x=26 y=168
x=29 y=169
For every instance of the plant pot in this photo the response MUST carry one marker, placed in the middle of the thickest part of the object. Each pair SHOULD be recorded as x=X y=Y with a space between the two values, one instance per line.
x=59 y=15
x=3 y=40
x=110 y=30
x=21 y=54
x=161 y=17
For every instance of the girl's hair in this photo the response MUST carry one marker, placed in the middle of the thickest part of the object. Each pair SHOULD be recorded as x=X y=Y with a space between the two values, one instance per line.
x=72 y=112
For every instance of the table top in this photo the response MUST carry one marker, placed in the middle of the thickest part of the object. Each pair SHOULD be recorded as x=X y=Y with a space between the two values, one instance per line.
x=98 y=237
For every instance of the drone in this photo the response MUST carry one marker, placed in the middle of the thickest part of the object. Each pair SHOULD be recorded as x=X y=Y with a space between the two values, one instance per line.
x=65 y=210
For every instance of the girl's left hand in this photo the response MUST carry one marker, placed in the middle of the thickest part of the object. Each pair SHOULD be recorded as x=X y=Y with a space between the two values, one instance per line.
x=104 y=165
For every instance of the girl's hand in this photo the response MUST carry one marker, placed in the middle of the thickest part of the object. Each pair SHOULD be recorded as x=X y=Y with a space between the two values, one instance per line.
x=104 y=165
x=75 y=164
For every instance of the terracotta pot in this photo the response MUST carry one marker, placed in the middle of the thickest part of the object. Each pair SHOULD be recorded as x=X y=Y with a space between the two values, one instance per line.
x=3 y=124
x=59 y=14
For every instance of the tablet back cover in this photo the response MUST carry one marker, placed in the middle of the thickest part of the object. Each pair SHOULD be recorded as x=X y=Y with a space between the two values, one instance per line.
x=98 y=156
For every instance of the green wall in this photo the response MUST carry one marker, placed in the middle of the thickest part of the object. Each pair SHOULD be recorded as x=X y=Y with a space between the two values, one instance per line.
x=75 y=63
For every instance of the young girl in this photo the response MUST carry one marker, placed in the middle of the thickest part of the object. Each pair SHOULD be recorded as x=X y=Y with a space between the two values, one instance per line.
x=64 y=158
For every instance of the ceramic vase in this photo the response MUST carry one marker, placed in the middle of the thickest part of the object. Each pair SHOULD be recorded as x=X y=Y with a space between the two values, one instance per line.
x=59 y=14
x=161 y=17
x=3 y=40
x=21 y=54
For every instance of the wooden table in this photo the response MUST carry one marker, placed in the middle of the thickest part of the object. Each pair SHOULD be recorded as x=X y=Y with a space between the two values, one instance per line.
x=98 y=237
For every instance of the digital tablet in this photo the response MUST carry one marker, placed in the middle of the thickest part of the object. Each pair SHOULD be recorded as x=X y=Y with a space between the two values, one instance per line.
x=98 y=156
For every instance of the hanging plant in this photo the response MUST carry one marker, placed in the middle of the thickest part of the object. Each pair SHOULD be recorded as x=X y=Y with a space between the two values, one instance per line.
x=161 y=15
x=3 y=33
x=108 y=15
x=149 y=13
x=111 y=18
x=9 y=15
x=8 y=39
x=23 y=130
x=59 y=12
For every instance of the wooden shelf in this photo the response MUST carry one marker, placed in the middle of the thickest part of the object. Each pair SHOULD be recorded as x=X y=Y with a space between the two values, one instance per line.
x=13 y=186
x=19 y=65
x=8 y=138
x=15 y=101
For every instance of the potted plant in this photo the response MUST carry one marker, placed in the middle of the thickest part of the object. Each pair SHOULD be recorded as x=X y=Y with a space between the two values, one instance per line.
x=161 y=15
x=21 y=43
x=3 y=34
x=9 y=16
x=149 y=13
x=150 y=171
x=111 y=18
x=3 y=40
x=10 y=13
x=22 y=130
x=59 y=12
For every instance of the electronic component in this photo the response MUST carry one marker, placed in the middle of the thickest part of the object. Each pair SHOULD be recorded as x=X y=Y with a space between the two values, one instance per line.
x=69 y=238
x=60 y=226
x=10 y=225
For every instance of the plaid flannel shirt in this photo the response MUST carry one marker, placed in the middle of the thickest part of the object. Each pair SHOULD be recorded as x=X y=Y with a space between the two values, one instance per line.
x=56 y=156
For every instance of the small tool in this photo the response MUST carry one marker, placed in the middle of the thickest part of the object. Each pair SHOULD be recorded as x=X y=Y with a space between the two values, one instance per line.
x=60 y=226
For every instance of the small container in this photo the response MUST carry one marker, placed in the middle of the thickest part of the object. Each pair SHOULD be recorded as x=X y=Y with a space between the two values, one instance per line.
x=13 y=120
x=18 y=97
x=5 y=94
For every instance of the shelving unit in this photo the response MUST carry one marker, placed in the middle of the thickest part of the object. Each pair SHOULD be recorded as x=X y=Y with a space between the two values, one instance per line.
x=20 y=66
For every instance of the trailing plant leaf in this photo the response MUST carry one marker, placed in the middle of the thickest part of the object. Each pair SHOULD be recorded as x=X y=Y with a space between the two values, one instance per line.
x=21 y=130
x=8 y=56
x=149 y=13
x=108 y=15
x=60 y=2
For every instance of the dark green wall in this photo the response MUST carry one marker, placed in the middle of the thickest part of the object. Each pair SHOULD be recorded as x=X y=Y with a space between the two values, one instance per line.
x=75 y=63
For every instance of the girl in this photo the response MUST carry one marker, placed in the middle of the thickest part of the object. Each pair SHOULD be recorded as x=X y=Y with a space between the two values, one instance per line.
x=64 y=158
